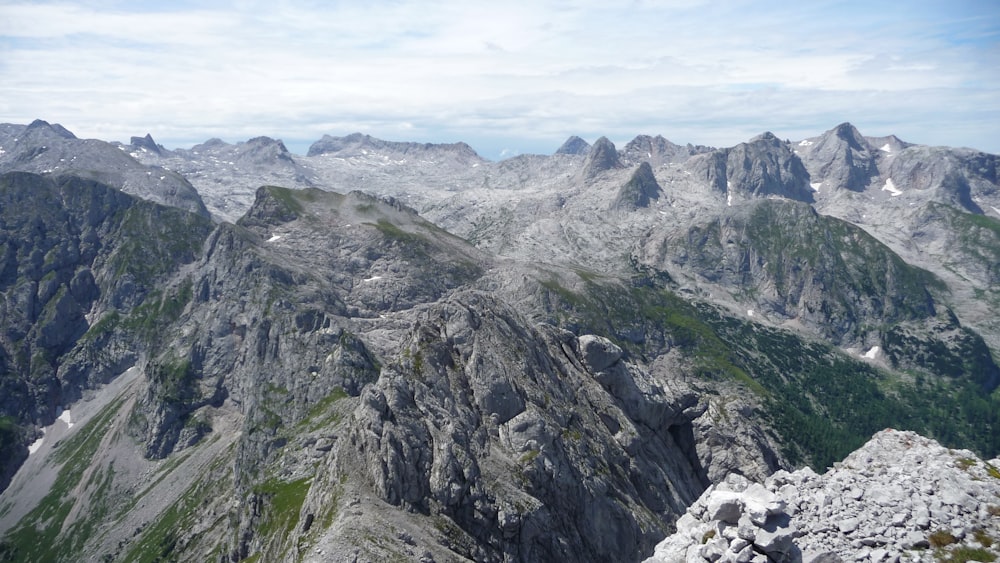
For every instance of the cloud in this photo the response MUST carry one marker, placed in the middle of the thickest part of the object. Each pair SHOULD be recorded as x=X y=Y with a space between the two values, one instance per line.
x=524 y=74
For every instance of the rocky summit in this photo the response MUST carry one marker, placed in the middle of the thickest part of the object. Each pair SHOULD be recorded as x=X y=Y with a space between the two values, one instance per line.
x=900 y=497
x=397 y=351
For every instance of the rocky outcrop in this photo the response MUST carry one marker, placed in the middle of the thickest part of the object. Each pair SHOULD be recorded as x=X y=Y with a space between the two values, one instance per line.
x=900 y=496
x=764 y=166
x=479 y=394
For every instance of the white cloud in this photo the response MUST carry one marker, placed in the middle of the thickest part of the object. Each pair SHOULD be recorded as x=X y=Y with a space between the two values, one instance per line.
x=535 y=71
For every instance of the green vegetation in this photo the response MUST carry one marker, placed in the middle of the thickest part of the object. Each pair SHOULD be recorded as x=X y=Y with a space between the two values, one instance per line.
x=145 y=321
x=823 y=403
x=175 y=380
x=983 y=538
x=941 y=538
x=529 y=456
x=159 y=540
x=319 y=414
x=10 y=434
x=40 y=536
x=288 y=198
x=284 y=501
x=963 y=554
x=992 y=471
x=155 y=240
x=392 y=231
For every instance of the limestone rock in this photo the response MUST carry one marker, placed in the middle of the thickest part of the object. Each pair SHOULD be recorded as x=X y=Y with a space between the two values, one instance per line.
x=802 y=524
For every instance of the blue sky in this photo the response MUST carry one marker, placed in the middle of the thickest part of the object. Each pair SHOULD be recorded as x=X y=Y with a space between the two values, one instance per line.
x=506 y=77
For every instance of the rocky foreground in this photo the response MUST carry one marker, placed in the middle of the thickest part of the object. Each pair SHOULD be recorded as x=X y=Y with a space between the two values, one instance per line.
x=900 y=497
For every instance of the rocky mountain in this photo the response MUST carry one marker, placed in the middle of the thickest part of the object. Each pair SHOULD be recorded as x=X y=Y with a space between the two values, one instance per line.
x=51 y=149
x=899 y=497
x=226 y=175
x=403 y=351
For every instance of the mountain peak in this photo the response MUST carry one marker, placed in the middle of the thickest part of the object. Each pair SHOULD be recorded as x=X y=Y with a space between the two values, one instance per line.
x=146 y=143
x=58 y=130
x=574 y=145
x=840 y=158
x=602 y=156
x=850 y=134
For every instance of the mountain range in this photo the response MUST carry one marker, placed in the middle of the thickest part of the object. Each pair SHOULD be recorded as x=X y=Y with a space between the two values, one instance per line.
x=404 y=351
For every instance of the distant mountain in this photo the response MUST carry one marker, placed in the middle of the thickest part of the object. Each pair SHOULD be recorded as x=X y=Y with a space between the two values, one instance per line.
x=357 y=144
x=402 y=351
x=51 y=149
x=574 y=145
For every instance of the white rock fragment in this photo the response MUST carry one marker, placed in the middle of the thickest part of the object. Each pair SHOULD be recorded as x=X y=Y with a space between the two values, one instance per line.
x=891 y=188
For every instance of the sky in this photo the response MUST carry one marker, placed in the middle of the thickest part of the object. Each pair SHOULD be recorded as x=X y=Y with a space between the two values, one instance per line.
x=506 y=77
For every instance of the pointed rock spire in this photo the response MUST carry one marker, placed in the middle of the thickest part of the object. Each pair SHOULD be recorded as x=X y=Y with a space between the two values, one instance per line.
x=146 y=142
x=574 y=145
x=639 y=190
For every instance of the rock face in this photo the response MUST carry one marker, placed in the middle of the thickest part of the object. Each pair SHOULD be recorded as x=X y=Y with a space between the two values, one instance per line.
x=799 y=264
x=763 y=166
x=894 y=498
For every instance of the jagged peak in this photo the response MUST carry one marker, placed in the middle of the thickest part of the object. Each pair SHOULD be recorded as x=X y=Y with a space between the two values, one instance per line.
x=146 y=142
x=574 y=145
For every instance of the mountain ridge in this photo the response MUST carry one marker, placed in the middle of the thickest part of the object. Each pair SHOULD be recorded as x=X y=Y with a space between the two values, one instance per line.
x=443 y=358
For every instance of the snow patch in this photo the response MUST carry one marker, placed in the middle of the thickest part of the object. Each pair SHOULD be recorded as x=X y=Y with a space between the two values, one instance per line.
x=373 y=278
x=805 y=143
x=891 y=188
x=749 y=312
x=274 y=238
x=871 y=354
x=885 y=148
x=815 y=185
x=729 y=194
x=995 y=210
x=67 y=418
x=37 y=444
